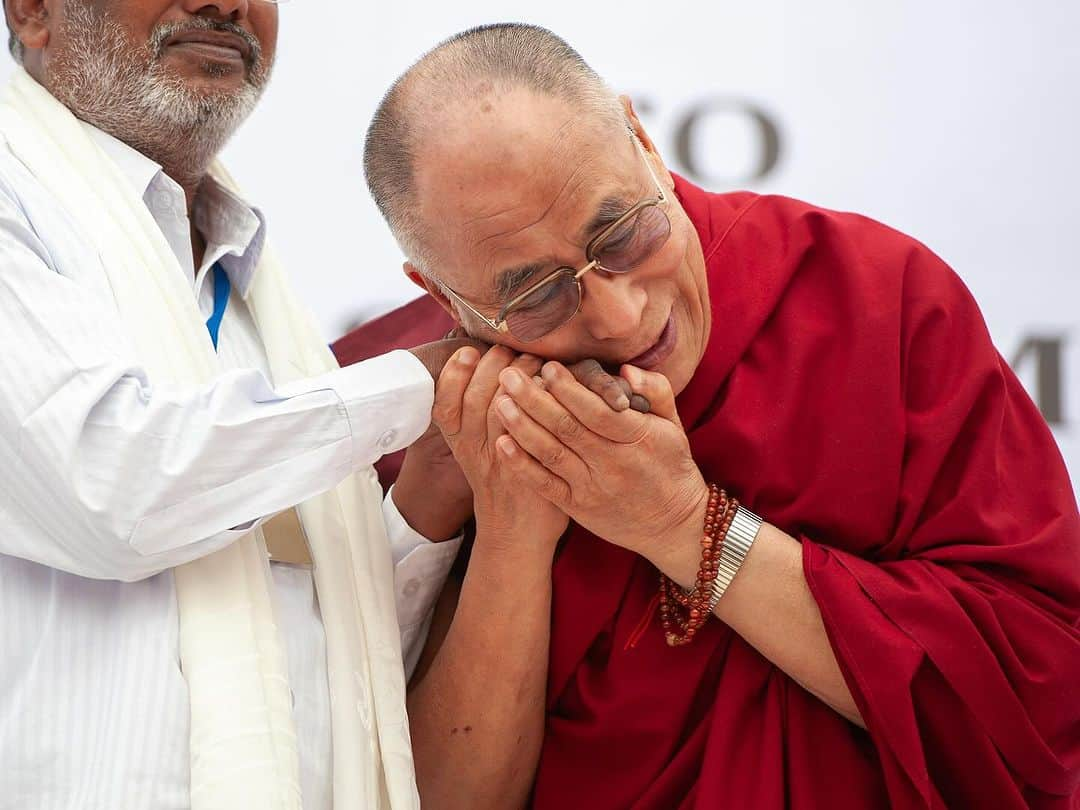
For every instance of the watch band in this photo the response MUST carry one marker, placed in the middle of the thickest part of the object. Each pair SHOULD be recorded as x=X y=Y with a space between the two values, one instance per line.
x=741 y=535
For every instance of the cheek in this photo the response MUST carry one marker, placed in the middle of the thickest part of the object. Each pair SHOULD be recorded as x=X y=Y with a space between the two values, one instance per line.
x=264 y=24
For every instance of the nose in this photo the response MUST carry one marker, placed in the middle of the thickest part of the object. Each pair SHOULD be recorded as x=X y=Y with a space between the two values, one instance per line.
x=221 y=9
x=611 y=305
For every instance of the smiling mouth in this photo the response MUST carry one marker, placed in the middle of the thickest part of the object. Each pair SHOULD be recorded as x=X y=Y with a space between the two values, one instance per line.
x=660 y=350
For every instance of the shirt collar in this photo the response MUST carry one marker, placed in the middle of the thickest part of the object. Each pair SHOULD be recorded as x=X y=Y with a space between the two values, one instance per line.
x=235 y=232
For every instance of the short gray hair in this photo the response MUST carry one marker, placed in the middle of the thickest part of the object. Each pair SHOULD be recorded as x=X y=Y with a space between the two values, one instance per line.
x=509 y=55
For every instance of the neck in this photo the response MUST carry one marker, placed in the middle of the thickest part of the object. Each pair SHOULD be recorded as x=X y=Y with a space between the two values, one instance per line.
x=186 y=160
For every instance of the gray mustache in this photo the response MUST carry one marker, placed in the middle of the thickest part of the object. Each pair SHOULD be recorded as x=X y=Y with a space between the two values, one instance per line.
x=164 y=32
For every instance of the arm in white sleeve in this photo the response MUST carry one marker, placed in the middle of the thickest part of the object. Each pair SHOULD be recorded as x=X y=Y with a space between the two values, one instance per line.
x=107 y=473
x=420 y=571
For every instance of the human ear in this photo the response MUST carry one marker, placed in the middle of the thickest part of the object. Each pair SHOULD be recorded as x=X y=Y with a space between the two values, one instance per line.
x=431 y=287
x=647 y=142
x=30 y=21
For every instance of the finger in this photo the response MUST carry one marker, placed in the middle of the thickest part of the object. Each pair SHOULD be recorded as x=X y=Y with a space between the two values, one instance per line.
x=547 y=411
x=435 y=355
x=656 y=389
x=532 y=474
x=589 y=410
x=450 y=390
x=637 y=401
x=481 y=390
x=538 y=442
x=592 y=375
x=529 y=365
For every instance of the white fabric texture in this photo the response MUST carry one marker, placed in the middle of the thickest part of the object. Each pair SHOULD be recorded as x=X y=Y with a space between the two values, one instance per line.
x=243 y=743
x=95 y=712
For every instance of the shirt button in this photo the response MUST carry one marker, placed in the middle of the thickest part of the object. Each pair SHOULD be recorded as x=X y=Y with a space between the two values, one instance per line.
x=411 y=587
x=386 y=441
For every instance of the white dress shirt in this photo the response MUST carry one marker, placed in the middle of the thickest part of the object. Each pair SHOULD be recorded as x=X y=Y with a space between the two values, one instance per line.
x=109 y=479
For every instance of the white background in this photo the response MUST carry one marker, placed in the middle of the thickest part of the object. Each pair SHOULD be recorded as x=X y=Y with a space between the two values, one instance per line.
x=957 y=122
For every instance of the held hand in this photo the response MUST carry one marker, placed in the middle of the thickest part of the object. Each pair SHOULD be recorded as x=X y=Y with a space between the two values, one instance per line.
x=431 y=492
x=628 y=477
x=506 y=513
x=434 y=355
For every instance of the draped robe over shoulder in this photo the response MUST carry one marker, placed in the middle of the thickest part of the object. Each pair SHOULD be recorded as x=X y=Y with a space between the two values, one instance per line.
x=851 y=396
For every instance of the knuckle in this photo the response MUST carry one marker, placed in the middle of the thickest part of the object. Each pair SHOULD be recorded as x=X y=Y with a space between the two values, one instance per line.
x=444 y=413
x=567 y=427
x=549 y=488
x=553 y=457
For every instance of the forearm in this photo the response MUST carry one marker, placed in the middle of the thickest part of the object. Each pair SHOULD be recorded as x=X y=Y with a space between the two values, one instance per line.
x=770 y=605
x=477 y=714
x=126 y=477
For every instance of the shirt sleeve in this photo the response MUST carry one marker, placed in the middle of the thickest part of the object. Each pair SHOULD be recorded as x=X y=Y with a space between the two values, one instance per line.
x=106 y=472
x=420 y=571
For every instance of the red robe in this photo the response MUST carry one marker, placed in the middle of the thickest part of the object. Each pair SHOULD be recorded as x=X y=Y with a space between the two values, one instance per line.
x=851 y=396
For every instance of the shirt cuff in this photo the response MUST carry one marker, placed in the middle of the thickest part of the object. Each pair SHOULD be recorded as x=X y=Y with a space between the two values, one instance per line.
x=420 y=567
x=404 y=539
x=388 y=402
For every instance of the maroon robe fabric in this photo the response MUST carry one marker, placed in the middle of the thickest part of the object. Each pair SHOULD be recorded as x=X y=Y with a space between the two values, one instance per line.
x=851 y=396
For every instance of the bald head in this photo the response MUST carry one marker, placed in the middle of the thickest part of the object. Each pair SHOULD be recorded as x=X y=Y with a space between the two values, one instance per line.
x=447 y=92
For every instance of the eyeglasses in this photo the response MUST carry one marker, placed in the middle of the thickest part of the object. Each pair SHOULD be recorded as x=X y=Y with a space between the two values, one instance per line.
x=620 y=247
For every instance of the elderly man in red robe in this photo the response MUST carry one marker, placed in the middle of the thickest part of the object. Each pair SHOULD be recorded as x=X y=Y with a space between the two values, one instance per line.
x=899 y=627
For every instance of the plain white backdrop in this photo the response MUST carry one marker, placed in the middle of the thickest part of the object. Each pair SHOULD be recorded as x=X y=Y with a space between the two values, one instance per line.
x=955 y=122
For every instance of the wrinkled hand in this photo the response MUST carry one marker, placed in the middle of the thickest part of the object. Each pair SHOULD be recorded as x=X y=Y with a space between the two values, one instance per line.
x=431 y=492
x=627 y=477
x=615 y=391
x=506 y=513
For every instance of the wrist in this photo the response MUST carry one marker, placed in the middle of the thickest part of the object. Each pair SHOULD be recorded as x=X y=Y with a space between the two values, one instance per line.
x=678 y=553
x=434 y=518
x=521 y=544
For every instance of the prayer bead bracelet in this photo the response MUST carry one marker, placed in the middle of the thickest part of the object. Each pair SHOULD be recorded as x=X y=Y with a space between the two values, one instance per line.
x=730 y=531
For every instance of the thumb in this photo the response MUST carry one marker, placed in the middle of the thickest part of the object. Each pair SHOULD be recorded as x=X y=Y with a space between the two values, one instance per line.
x=656 y=389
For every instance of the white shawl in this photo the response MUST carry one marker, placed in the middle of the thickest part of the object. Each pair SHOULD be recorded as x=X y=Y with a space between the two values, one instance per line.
x=243 y=740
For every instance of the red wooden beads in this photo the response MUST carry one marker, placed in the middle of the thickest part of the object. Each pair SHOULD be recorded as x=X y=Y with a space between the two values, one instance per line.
x=683 y=613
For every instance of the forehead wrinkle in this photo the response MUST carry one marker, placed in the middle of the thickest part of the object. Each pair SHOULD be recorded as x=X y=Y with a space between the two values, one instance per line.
x=505 y=281
x=544 y=214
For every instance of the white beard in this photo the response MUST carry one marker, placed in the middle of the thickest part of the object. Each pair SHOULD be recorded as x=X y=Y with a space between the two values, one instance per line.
x=128 y=93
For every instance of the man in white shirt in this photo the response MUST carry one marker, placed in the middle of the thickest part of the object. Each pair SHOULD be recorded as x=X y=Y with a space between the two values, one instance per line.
x=111 y=477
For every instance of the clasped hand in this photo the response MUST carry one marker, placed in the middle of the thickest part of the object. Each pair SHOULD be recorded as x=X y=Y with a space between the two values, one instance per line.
x=627 y=477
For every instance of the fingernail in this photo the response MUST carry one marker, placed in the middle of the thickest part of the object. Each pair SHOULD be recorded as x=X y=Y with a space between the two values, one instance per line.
x=622 y=403
x=506 y=446
x=548 y=372
x=511 y=380
x=639 y=403
x=507 y=408
x=467 y=356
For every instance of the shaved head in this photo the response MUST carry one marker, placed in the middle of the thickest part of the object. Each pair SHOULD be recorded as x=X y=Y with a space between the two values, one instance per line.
x=448 y=88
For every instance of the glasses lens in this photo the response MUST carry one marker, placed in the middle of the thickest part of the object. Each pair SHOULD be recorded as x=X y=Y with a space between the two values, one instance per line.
x=546 y=308
x=634 y=241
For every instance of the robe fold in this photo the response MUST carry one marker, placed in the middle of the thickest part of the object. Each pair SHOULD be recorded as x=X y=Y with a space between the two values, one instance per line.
x=850 y=395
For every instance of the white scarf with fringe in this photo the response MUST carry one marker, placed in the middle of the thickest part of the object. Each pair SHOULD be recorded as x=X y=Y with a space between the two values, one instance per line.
x=243 y=740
